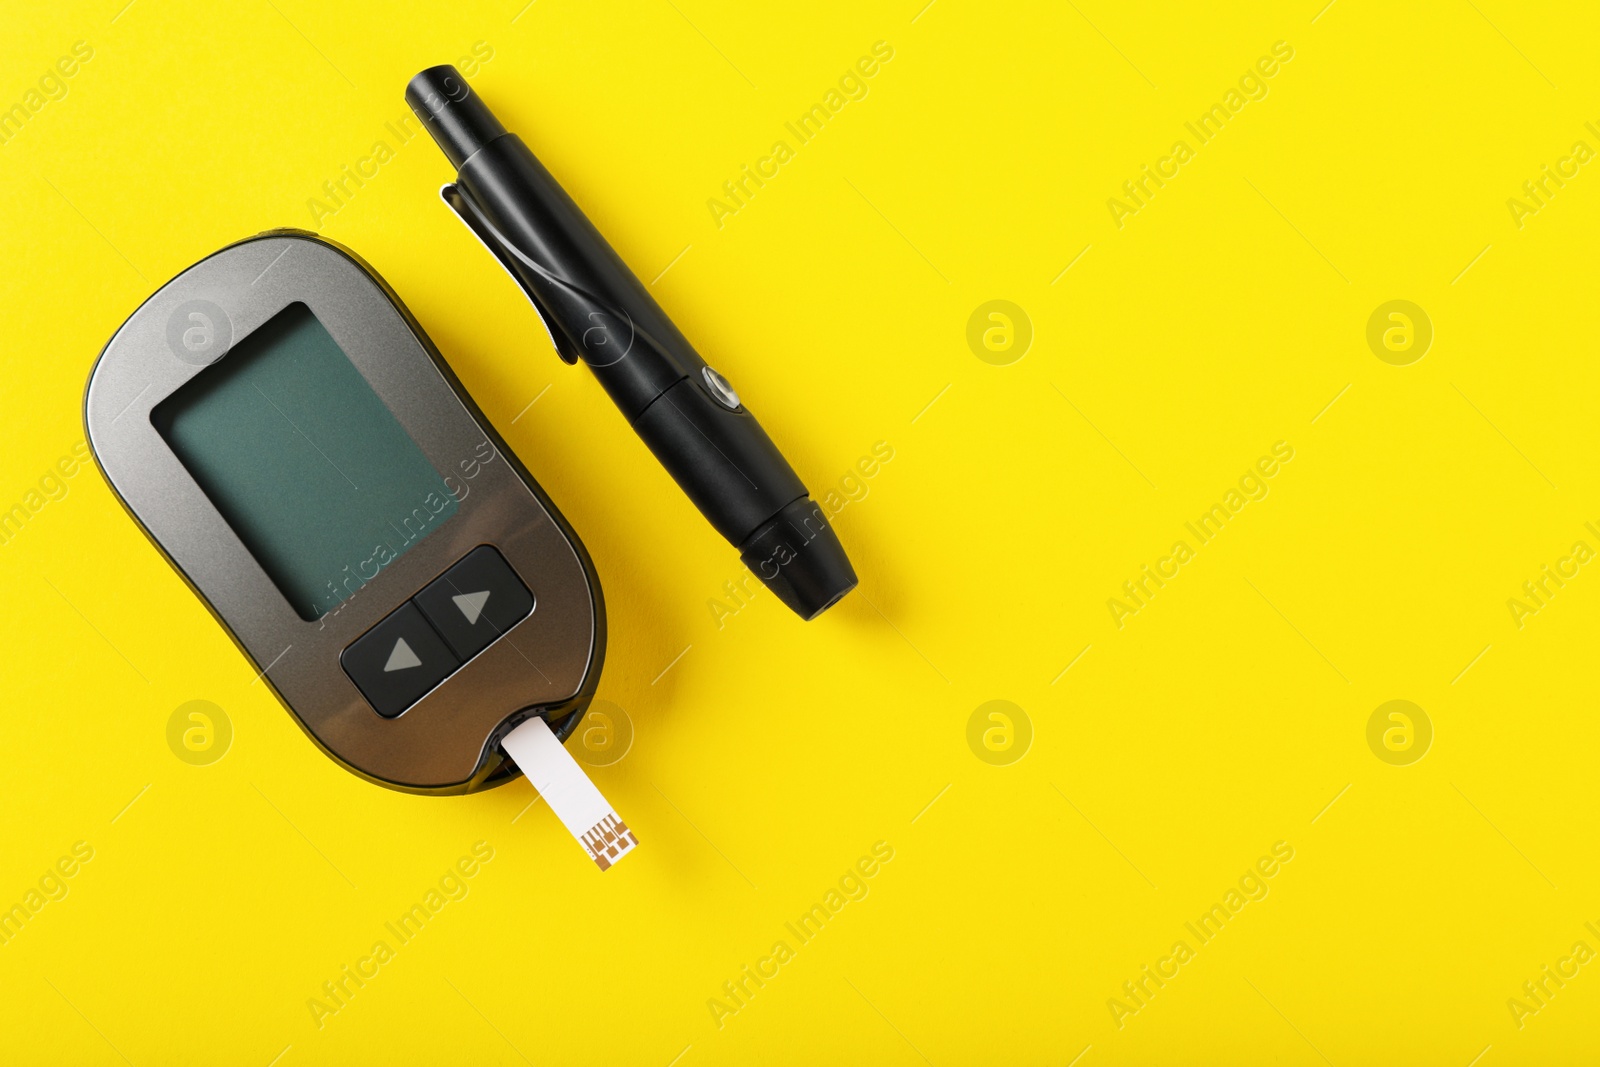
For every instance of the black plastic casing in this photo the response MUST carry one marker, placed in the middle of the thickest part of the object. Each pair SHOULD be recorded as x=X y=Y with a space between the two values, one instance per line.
x=597 y=310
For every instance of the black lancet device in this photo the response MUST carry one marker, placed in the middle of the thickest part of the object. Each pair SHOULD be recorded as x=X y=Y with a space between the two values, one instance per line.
x=282 y=429
x=596 y=310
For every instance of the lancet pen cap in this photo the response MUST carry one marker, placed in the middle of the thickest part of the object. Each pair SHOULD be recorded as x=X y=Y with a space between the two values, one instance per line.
x=797 y=555
x=456 y=116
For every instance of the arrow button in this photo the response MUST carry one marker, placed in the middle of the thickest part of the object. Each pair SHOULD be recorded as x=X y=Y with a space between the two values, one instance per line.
x=476 y=601
x=401 y=658
x=398 y=661
x=471 y=604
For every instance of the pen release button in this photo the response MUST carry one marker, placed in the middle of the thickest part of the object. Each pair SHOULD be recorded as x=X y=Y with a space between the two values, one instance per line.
x=719 y=389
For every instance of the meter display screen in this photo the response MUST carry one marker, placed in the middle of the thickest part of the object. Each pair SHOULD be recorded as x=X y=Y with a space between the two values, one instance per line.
x=304 y=461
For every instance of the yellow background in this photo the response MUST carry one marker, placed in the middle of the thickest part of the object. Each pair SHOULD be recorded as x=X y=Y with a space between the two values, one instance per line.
x=1230 y=713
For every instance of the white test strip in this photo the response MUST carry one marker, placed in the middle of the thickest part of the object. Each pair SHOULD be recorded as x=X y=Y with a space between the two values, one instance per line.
x=575 y=800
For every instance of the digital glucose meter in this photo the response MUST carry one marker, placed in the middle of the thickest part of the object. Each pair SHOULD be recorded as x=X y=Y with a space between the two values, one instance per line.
x=285 y=433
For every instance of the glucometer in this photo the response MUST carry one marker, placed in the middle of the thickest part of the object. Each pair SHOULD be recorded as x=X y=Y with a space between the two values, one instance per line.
x=285 y=433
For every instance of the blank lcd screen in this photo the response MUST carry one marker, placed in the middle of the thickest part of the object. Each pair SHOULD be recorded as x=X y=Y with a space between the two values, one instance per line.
x=303 y=460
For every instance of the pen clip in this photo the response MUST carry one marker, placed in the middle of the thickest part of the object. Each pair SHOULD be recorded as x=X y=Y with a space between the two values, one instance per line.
x=469 y=213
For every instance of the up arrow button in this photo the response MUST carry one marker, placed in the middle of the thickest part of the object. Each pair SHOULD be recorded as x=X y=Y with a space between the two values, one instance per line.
x=401 y=658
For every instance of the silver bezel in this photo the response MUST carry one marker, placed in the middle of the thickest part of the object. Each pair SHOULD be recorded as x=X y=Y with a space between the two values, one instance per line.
x=443 y=743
